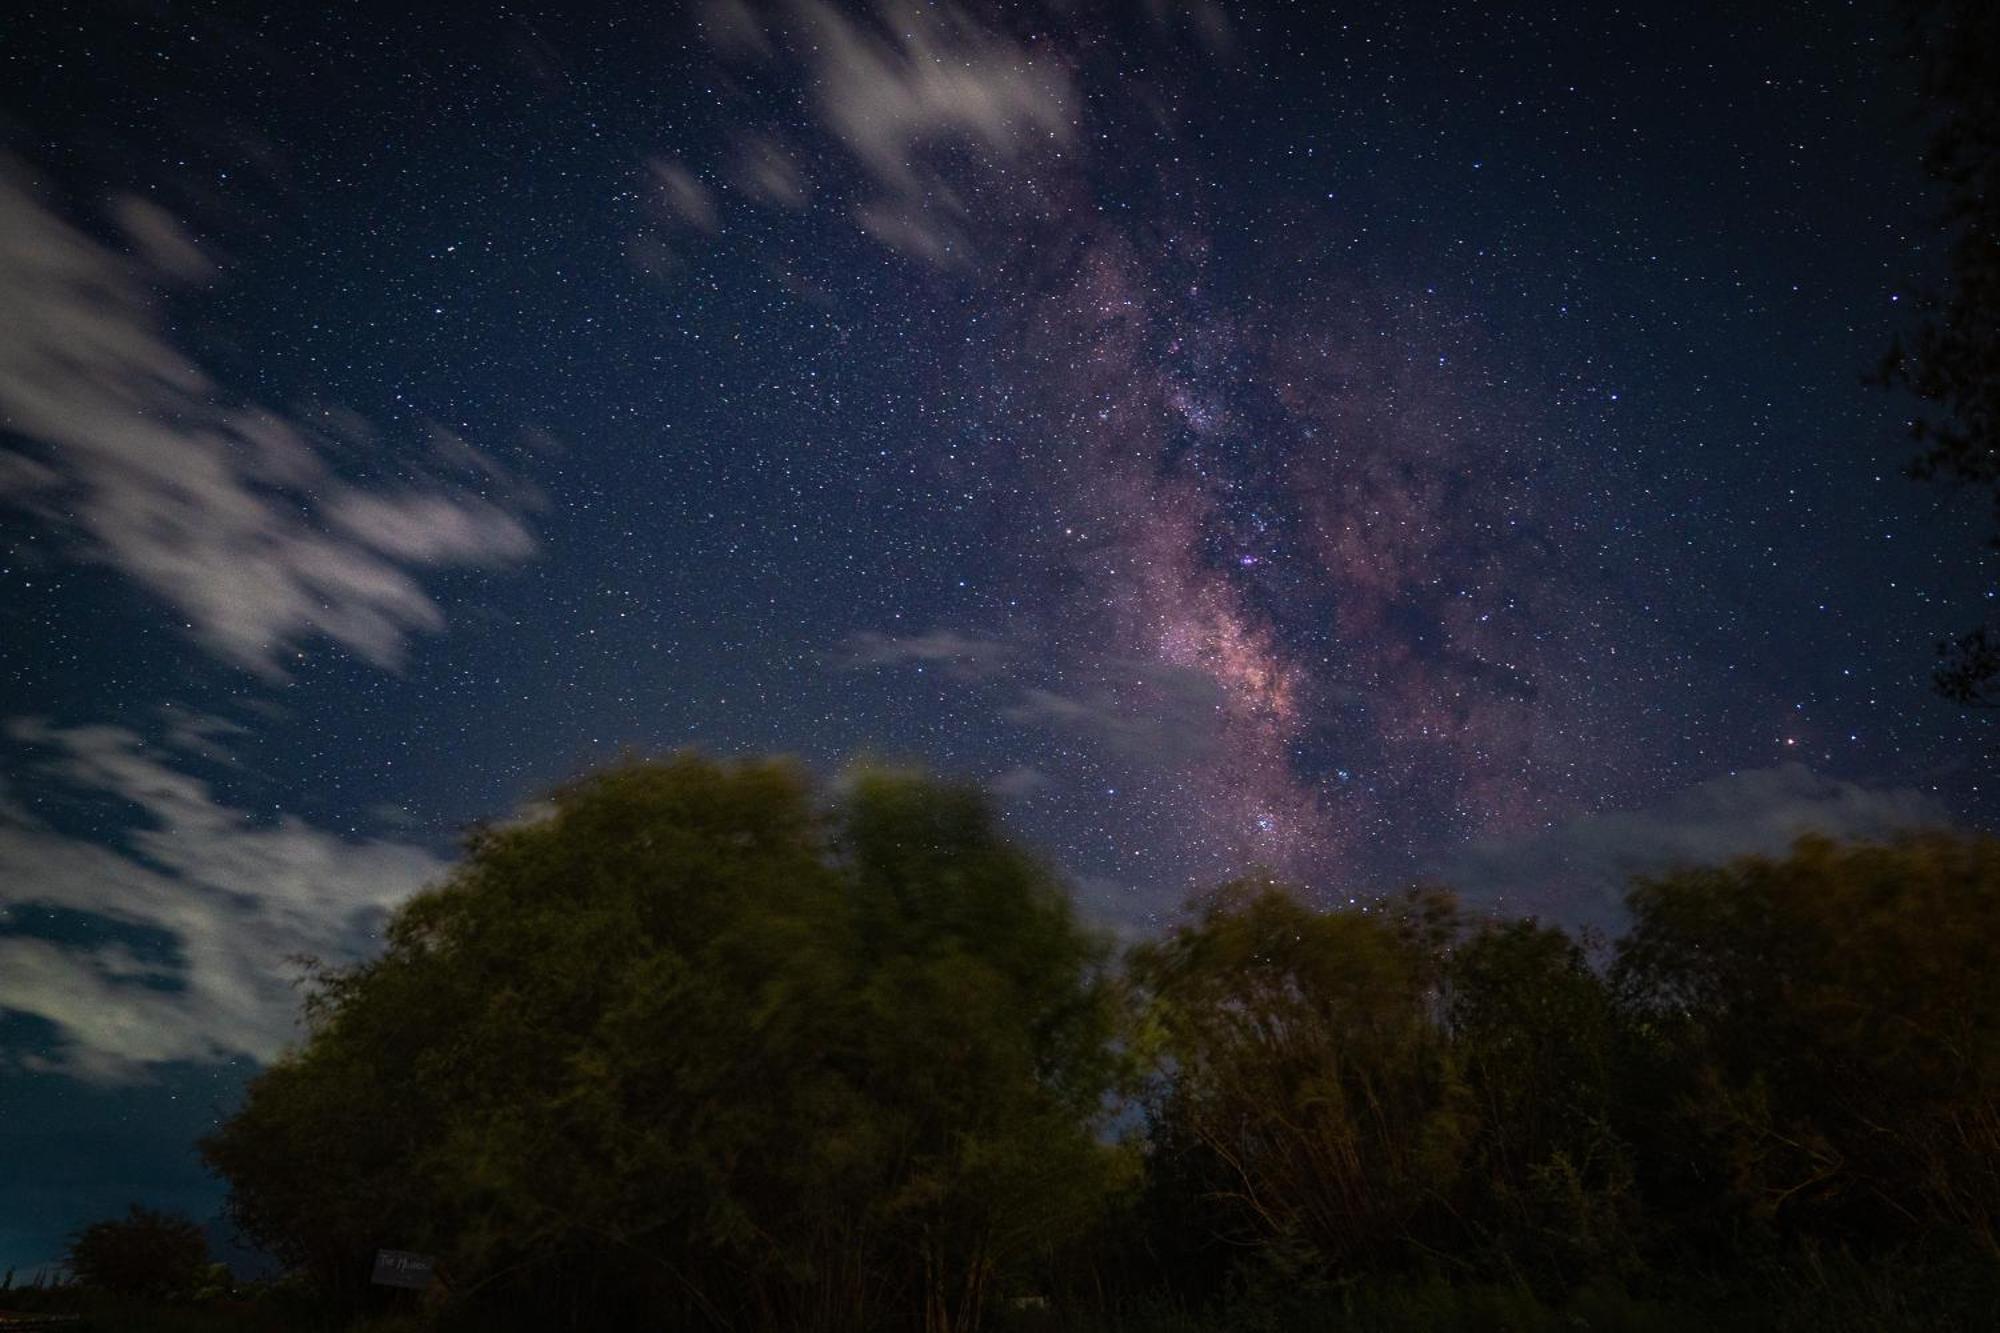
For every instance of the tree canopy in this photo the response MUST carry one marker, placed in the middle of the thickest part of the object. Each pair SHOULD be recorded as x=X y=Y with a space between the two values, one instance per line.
x=704 y=1040
x=1829 y=1025
x=711 y=1045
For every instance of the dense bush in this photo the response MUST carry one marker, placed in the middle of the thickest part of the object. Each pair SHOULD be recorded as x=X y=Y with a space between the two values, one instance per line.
x=145 y=1253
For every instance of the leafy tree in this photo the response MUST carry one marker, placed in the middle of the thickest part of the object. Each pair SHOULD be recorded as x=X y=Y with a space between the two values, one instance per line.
x=1302 y=1055
x=1825 y=1031
x=711 y=1049
x=1548 y=1187
x=985 y=1033
x=1952 y=360
x=150 y=1254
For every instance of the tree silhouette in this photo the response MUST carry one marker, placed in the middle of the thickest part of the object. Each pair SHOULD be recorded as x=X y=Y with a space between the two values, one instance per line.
x=145 y=1253
x=1951 y=362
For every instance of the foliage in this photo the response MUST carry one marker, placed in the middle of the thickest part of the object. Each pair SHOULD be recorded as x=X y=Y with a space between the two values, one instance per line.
x=709 y=1050
x=145 y=1253
x=1301 y=1057
x=708 y=1046
x=1547 y=1193
x=1784 y=1053
x=1826 y=1028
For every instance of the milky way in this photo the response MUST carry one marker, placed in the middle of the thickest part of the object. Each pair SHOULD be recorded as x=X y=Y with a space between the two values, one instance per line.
x=1310 y=489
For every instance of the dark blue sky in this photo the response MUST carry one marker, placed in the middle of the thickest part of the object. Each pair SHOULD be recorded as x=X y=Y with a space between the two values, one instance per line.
x=1375 y=441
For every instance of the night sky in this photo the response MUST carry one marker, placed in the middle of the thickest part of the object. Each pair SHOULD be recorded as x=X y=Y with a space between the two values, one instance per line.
x=1377 y=442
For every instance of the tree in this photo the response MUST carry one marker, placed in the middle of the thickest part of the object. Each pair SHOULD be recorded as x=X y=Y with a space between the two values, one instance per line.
x=1548 y=1190
x=155 y=1255
x=985 y=1023
x=1824 y=1036
x=714 y=1047
x=1952 y=360
x=1299 y=1050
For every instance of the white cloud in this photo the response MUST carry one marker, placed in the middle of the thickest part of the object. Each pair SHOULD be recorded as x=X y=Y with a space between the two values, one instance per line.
x=930 y=78
x=928 y=99
x=932 y=74
x=236 y=897
x=229 y=512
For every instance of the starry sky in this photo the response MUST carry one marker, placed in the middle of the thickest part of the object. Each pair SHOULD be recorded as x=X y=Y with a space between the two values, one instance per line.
x=1377 y=442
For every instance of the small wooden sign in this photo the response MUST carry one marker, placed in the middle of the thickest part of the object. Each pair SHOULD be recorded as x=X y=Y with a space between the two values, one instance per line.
x=400 y=1268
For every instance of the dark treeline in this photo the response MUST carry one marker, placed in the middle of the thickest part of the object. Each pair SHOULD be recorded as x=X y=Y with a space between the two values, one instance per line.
x=705 y=1047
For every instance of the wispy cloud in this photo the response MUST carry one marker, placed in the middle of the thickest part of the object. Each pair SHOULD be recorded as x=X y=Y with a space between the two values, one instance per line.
x=1139 y=711
x=1580 y=870
x=932 y=103
x=1019 y=782
x=677 y=196
x=229 y=512
x=1135 y=709
x=767 y=173
x=931 y=79
x=968 y=657
x=234 y=896
x=203 y=735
